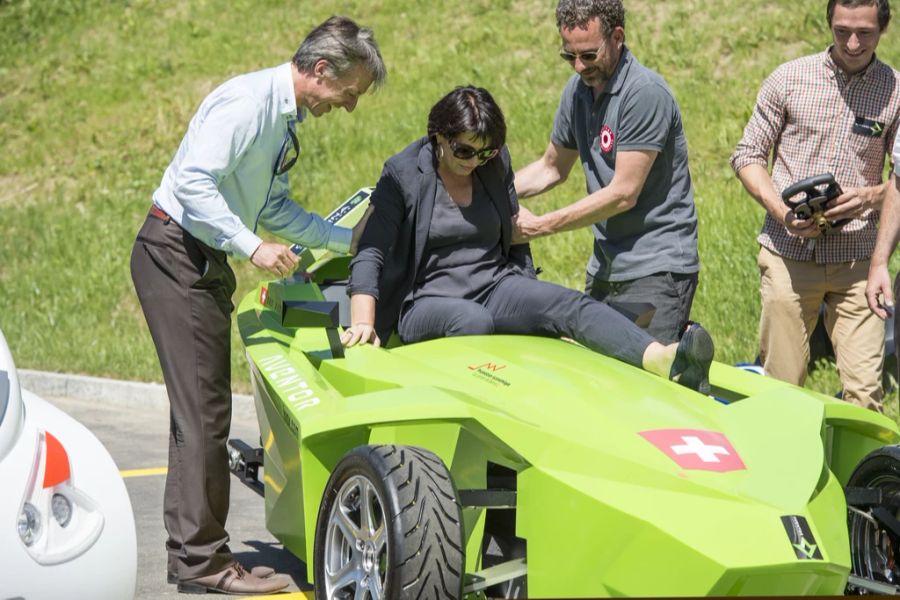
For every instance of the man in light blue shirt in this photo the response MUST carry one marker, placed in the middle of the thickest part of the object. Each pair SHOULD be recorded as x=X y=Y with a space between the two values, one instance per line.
x=228 y=178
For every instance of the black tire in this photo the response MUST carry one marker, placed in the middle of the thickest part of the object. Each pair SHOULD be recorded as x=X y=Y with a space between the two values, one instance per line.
x=412 y=502
x=874 y=551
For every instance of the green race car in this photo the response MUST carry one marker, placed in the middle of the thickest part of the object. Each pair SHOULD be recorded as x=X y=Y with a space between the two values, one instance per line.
x=515 y=466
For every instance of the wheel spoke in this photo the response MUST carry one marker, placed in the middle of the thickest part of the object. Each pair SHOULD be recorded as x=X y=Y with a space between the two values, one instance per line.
x=361 y=592
x=347 y=526
x=375 y=588
x=368 y=499
x=379 y=539
x=344 y=576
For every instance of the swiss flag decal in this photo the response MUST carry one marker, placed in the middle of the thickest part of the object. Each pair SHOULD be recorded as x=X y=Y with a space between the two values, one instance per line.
x=696 y=449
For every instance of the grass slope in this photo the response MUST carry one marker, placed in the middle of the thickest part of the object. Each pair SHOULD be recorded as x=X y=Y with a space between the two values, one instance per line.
x=95 y=96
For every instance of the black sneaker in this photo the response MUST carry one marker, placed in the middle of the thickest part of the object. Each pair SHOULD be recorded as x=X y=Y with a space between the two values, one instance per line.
x=693 y=358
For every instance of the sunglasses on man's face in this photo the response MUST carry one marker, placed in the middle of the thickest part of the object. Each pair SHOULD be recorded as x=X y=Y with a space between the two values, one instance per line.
x=466 y=152
x=287 y=156
x=586 y=57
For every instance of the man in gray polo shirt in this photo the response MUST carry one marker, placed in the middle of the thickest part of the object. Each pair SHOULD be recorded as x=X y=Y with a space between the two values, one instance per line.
x=622 y=121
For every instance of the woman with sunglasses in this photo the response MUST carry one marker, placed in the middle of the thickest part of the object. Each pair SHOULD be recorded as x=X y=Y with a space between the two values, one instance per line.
x=435 y=258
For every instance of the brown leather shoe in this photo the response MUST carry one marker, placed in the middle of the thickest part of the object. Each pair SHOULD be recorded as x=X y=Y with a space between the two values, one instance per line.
x=259 y=571
x=235 y=580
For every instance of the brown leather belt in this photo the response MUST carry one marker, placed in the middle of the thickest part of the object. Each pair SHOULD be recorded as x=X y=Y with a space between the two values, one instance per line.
x=159 y=213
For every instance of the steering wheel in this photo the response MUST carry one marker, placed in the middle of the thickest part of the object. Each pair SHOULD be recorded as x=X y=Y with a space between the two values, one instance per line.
x=818 y=190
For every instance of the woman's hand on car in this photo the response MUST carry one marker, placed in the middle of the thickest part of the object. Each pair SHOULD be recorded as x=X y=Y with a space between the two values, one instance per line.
x=360 y=333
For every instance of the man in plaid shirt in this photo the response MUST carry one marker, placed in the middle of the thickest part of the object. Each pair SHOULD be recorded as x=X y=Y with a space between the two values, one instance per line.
x=833 y=112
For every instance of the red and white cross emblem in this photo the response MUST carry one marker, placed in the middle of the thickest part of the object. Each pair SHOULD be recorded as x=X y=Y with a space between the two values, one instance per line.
x=696 y=449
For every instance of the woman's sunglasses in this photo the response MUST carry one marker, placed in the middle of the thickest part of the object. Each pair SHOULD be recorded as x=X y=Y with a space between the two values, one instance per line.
x=466 y=152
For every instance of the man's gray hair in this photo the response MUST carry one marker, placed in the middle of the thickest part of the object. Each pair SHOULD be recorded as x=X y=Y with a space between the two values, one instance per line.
x=342 y=44
x=577 y=13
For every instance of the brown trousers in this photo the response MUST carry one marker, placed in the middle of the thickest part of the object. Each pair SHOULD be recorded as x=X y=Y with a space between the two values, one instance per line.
x=792 y=292
x=185 y=290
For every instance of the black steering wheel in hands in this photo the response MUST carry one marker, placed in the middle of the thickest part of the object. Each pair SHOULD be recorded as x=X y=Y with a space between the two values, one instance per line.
x=818 y=190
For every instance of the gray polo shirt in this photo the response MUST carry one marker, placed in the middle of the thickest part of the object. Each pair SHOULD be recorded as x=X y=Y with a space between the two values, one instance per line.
x=636 y=111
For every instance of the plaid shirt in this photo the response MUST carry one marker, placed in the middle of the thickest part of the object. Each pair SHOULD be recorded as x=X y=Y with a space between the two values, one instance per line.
x=817 y=120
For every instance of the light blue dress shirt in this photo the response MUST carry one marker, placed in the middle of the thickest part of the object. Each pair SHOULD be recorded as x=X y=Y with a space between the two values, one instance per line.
x=221 y=185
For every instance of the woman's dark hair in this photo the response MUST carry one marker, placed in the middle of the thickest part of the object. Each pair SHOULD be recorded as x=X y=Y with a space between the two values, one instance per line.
x=468 y=109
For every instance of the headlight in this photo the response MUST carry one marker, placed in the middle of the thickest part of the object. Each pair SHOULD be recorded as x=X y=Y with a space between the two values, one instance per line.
x=29 y=524
x=57 y=521
x=61 y=508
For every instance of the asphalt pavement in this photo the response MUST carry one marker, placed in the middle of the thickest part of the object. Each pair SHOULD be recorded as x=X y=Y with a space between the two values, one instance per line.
x=136 y=434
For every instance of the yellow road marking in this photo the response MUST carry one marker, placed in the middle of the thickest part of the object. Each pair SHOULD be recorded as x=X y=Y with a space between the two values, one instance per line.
x=143 y=472
x=292 y=595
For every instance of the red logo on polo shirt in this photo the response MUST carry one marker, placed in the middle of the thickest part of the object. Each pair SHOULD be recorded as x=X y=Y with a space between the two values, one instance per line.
x=607 y=139
x=696 y=449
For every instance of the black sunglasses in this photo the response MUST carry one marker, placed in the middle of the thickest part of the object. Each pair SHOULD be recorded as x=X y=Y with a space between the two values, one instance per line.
x=466 y=152
x=287 y=156
x=589 y=56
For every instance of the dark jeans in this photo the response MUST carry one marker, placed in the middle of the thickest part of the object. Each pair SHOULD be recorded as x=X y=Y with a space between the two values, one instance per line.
x=185 y=289
x=670 y=294
x=524 y=306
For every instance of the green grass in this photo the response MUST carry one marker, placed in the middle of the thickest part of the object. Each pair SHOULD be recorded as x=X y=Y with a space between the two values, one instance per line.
x=95 y=96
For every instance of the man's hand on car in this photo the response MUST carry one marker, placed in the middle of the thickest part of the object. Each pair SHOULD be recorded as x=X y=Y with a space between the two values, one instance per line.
x=275 y=258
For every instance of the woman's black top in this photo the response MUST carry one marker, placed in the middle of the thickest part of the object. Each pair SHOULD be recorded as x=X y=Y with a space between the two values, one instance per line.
x=462 y=255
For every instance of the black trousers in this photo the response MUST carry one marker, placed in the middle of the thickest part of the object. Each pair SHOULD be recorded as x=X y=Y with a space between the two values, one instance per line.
x=524 y=306
x=185 y=290
x=670 y=294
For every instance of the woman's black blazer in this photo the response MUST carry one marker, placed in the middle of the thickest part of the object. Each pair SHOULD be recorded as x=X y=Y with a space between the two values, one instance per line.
x=393 y=242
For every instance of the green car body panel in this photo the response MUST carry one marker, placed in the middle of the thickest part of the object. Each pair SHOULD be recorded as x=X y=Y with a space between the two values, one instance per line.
x=603 y=510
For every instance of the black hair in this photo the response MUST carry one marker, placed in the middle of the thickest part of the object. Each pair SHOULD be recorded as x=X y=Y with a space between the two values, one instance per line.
x=468 y=109
x=884 y=10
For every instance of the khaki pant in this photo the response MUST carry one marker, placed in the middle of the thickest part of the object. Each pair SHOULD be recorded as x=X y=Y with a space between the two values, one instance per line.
x=792 y=292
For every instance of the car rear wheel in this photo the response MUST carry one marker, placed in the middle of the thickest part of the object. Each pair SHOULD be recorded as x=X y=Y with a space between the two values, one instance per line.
x=389 y=526
x=874 y=549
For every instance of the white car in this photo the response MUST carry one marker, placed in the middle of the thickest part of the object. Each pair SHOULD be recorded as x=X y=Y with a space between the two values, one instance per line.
x=66 y=524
